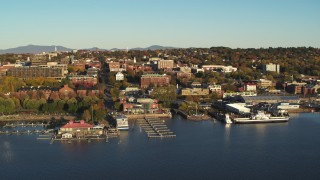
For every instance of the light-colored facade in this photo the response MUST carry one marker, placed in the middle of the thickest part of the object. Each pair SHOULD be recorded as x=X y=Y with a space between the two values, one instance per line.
x=194 y=92
x=233 y=94
x=119 y=76
x=238 y=108
x=225 y=69
x=215 y=88
x=264 y=83
x=250 y=87
x=165 y=64
x=271 y=67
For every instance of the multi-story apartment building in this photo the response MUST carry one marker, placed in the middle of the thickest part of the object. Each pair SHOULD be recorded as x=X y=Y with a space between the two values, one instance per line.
x=154 y=80
x=165 y=64
x=30 y=72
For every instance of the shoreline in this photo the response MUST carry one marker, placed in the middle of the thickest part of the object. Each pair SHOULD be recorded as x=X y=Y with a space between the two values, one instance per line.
x=24 y=117
x=141 y=116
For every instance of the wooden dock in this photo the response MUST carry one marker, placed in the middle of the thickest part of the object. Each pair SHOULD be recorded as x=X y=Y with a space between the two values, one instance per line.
x=155 y=128
x=13 y=125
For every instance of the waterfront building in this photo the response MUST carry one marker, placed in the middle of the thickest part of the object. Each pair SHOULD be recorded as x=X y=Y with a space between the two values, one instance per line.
x=238 y=108
x=245 y=93
x=154 y=80
x=269 y=99
x=287 y=106
x=140 y=106
x=77 y=129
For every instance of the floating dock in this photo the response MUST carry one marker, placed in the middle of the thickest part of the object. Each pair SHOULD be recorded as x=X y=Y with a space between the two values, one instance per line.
x=155 y=128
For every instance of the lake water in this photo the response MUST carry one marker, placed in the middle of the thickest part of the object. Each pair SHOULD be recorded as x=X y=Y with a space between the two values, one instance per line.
x=201 y=150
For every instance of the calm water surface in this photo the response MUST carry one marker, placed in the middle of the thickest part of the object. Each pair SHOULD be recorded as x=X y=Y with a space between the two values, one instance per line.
x=201 y=150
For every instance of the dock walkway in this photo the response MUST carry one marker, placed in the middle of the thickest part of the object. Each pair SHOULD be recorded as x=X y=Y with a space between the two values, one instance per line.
x=155 y=128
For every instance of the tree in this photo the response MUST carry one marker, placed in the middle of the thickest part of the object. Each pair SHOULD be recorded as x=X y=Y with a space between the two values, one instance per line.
x=165 y=94
x=86 y=115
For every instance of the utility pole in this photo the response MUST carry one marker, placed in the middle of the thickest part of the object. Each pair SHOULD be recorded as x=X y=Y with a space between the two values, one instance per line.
x=92 y=113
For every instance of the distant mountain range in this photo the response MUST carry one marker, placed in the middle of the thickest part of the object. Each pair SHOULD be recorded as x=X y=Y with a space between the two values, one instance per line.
x=34 y=49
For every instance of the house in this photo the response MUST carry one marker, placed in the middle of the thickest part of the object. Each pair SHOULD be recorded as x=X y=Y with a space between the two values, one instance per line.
x=119 y=76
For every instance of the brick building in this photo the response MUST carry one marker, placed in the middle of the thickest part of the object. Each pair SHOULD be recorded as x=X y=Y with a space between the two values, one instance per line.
x=154 y=80
x=30 y=72
x=115 y=67
x=66 y=90
x=85 y=81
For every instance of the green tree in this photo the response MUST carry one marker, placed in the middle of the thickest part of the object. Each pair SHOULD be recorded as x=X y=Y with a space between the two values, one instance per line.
x=165 y=94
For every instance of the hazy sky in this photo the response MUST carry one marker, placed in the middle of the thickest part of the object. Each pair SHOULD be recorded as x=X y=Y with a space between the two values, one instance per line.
x=141 y=23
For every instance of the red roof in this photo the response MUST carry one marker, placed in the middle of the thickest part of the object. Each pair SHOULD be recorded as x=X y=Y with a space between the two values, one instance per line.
x=80 y=124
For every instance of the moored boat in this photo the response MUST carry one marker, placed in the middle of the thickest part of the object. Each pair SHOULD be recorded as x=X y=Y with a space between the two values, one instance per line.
x=262 y=117
x=122 y=122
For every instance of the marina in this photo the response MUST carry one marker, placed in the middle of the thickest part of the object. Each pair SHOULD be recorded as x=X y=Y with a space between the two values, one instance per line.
x=202 y=144
x=155 y=128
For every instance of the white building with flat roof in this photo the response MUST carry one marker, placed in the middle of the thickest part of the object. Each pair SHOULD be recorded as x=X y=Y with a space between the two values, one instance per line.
x=271 y=67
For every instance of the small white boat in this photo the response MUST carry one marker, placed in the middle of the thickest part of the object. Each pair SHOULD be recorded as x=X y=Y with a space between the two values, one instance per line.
x=227 y=119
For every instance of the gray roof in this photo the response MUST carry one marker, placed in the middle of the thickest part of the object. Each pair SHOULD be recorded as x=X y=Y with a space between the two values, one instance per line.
x=268 y=98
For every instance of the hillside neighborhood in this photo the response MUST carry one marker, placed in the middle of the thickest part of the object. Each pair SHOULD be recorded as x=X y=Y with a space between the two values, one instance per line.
x=92 y=84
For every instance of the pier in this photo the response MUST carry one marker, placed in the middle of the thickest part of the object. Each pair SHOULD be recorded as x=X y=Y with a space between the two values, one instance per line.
x=20 y=132
x=155 y=128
